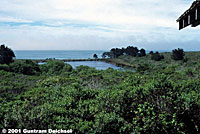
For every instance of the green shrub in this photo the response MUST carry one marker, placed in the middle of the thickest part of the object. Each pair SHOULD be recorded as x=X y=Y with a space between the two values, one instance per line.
x=67 y=68
x=178 y=54
x=156 y=56
x=26 y=67
x=55 y=67
x=164 y=99
x=142 y=67
x=4 y=67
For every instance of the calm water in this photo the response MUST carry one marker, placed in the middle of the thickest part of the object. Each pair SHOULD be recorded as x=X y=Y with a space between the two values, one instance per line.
x=67 y=55
x=75 y=54
x=96 y=64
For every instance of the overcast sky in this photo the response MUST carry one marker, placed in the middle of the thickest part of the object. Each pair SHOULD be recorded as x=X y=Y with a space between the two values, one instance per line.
x=95 y=24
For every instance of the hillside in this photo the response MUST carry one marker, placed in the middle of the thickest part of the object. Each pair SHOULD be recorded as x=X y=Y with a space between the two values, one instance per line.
x=159 y=97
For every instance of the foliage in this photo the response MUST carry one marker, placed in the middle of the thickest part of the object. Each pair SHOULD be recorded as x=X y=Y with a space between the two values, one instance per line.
x=156 y=56
x=116 y=52
x=4 y=67
x=143 y=52
x=142 y=67
x=178 y=54
x=151 y=52
x=95 y=56
x=55 y=67
x=6 y=55
x=107 y=54
x=26 y=67
x=160 y=97
x=130 y=50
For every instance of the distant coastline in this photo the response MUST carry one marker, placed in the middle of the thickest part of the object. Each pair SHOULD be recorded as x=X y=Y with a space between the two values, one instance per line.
x=57 y=54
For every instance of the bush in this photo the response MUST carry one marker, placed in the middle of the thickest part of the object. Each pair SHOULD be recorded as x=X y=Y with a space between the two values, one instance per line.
x=178 y=54
x=4 y=67
x=143 y=67
x=143 y=52
x=157 y=57
x=26 y=67
x=55 y=67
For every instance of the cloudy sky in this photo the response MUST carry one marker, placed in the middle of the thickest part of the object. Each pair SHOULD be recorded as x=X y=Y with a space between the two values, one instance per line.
x=95 y=24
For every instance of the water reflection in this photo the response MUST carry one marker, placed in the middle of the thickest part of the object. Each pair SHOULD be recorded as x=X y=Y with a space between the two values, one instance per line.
x=96 y=64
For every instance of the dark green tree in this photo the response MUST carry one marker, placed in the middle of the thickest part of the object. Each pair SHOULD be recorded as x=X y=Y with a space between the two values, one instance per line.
x=6 y=55
x=178 y=54
x=151 y=52
x=132 y=51
x=103 y=55
x=107 y=54
x=143 y=52
x=95 y=56
x=116 y=52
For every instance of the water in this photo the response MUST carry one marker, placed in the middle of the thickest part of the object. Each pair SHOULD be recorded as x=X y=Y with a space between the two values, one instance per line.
x=75 y=54
x=44 y=54
x=58 y=54
x=96 y=64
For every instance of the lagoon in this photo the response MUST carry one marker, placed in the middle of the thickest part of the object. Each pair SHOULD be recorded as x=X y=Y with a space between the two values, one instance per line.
x=67 y=54
x=99 y=65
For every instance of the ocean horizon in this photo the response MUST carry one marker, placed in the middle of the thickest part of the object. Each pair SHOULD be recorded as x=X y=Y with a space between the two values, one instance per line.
x=61 y=54
x=57 y=54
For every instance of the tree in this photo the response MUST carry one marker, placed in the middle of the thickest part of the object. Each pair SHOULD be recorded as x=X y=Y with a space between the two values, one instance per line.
x=143 y=52
x=95 y=56
x=178 y=54
x=6 y=55
x=108 y=54
x=116 y=52
x=151 y=52
x=104 y=55
x=132 y=51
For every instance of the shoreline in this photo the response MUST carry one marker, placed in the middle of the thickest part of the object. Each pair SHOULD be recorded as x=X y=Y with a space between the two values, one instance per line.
x=116 y=62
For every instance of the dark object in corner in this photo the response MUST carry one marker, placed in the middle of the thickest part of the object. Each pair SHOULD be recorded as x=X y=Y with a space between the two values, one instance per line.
x=6 y=55
x=191 y=16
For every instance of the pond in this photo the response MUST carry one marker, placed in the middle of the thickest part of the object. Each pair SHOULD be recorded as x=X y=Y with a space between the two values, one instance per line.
x=96 y=64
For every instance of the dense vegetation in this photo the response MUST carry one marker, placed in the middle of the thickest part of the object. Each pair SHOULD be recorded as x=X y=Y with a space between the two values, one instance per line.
x=159 y=97
x=156 y=56
x=130 y=50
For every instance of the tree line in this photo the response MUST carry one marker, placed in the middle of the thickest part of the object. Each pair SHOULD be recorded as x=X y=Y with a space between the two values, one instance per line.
x=7 y=55
x=177 y=54
x=130 y=50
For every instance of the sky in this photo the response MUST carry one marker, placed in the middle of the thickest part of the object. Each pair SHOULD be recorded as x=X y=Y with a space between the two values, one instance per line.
x=95 y=25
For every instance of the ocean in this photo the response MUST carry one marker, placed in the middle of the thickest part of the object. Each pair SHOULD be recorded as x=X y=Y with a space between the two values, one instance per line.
x=57 y=54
